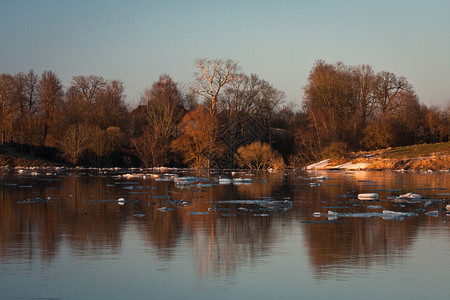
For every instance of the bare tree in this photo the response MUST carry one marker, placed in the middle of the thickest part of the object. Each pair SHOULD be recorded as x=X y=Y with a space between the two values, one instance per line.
x=8 y=107
x=89 y=87
x=246 y=112
x=387 y=87
x=162 y=109
x=50 y=91
x=211 y=77
x=75 y=142
x=364 y=80
x=109 y=108
x=329 y=101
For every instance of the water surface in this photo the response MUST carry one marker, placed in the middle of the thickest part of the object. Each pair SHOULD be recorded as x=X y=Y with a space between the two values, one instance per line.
x=65 y=235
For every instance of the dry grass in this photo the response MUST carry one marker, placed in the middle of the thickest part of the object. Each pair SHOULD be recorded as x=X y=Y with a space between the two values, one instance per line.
x=415 y=157
x=10 y=157
x=420 y=164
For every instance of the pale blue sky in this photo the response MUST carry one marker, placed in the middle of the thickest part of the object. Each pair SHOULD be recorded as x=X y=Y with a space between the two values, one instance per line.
x=136 y=41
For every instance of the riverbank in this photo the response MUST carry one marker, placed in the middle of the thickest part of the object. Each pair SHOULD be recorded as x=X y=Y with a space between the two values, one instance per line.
x=13 y=158
x=435 y=157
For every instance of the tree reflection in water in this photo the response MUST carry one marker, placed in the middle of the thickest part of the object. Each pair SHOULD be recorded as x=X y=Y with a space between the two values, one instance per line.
x=80 y=211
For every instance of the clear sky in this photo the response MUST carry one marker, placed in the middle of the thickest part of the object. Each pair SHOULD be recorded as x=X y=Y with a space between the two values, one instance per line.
x=136 y=41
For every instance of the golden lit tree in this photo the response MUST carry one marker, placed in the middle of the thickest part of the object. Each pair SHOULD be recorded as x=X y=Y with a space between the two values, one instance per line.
x=259 y=156
x=198 y=142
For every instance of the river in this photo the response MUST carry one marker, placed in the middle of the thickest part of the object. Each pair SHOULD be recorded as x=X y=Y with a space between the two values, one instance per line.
x=137 y=234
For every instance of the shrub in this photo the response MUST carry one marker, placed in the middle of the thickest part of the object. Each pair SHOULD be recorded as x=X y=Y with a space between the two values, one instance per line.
x=336 y=150
x=259 y=156
x=377 y=136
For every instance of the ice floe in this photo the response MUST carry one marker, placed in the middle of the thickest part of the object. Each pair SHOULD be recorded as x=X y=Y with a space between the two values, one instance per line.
x=385 y=214
x=433 y=213
x=368 y=196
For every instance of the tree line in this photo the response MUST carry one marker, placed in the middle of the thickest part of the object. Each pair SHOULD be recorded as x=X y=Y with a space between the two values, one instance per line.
x=224 y=119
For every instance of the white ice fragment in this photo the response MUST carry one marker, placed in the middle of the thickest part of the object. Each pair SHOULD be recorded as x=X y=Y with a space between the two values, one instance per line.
x=398 y=213
x=317 y=214
x=433 y=213
x=410 y=196
x=224 y=181
x=368 y=196
x=373 y=206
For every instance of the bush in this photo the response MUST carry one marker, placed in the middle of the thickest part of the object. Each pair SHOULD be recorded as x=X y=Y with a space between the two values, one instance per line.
x=377 y=136
x=259 y=156
x=336 y=150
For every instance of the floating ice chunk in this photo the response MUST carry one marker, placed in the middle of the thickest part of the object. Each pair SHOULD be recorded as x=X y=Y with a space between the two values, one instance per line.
x=242 y=180
x=224 y=181
x=322 y=178
x=218 y=209
x=410 y=196
x=164 y=209
x=184 y=180
x=426 y=204
x=200 y=185
x=385 y=214
x=34 y=200
x=322 y=222
x=398 y=213
x=368 y=196
x=433 y=213
x=167 y=177
x=317 y=214
x=278 y=205
x=373 y=206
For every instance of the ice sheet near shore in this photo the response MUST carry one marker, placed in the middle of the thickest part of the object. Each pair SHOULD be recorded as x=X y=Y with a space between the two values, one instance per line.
x=325 y=164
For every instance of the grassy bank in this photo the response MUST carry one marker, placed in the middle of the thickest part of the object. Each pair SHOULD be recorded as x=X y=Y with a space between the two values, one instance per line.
x=12 y=157
x=415 y=157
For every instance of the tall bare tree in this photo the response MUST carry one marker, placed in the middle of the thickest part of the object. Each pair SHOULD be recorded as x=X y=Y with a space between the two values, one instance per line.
x=89 y=87
x=50 y=91
x=109 y=108
x=387 y=88
x=211 y=77
x=162 y=109
x=364 y=80
x=8 y=107
x=329 y=101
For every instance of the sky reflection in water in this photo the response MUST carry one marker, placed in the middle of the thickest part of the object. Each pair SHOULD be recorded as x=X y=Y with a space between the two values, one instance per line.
x=64 y=235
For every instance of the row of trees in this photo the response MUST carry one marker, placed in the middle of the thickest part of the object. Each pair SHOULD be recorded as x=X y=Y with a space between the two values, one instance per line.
x=356 y=108
x=224 y=119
